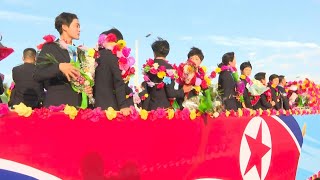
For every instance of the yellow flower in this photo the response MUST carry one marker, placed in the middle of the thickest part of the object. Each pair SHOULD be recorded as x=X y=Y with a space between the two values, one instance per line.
x=170 y=113
x=111 y=113
x=208 y=80
x=121 y=44
x=71 y=111
x=242 y=77
x=269 y=112
x=127 y=96
x=199 y=114
x=161 y=74
x=146 y=95
x=193 y=114
x=290 y=112
x=22 y=110
x=204 y=68
x=218 y=70
x=252 y=112
x=227 y=113
x=91 y=52
x=240 y=112
x=260 y=111
x=144 y=114
x=197 y=88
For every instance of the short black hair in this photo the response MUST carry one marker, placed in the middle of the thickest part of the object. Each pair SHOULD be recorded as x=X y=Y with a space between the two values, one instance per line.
x=114 y=31
x=29 y=53
x=245 y=65
x=197 y=52
x=273 y=76
x=160 y=48
x=226 y=58
x=259 y=76
x=64 y=18
x=281 y=77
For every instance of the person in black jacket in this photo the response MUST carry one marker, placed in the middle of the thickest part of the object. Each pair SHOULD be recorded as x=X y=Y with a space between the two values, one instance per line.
x=196 y=56
x=56 y=76
x=226 y=83
x=1 y=88
x=159 y=97
x=246 y=69
x=284 y=99
x=273 y=85
x=26 y=90
x=110 y=89
x=264 y=102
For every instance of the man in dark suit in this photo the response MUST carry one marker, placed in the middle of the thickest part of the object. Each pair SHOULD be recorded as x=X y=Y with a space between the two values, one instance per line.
x=273 y=85
x=26 y=90
x=110 y=90
x=159 y=97
x=1 y=87
x=263 y=102
x=56 y=76
x=284 y=99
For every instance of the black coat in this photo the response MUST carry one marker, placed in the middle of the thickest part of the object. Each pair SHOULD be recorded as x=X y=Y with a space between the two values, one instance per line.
x=159 y=98
x=247 y=98
x=26 y=89
x=58 y=88
x=262 y=103
x=227 y=86
x=284 y=98
x=275 y=98
x=110 y=89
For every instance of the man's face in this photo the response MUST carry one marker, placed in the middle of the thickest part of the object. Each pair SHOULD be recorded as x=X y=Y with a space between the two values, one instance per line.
x=73 y=30
x=247 y=71
x=196 y=60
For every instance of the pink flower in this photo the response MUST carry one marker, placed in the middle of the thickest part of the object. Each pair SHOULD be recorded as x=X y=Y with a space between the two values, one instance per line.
x=146 y=78
x=233 y=113
x=4 y=109
x=198 y=82
x=162 y=68
x=57 y=108
x=170 y=72
x=185 y=114
x=160 y=113
x=136 y=99
x=135 y=114
x=126 y=51
x=153 y=71
x=151 y=84
x=246 y=112
x=150 y=62
x=101 y=40
x=131 y=61
x=93 y=115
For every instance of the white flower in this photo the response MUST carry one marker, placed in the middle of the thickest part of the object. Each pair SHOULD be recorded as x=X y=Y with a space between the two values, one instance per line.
x=156 y=65
x=215 y=114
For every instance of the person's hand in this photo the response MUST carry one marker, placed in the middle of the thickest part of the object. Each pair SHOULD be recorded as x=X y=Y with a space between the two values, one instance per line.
x=69 y=71
x=187 y=88
x=273 y=103
x=125 y=111
x=88 y=90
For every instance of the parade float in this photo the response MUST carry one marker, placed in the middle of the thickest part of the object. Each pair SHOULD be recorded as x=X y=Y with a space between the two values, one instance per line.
x=199 y=142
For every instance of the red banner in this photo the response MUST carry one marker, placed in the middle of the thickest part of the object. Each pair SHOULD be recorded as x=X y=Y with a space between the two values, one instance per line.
x=222 y=148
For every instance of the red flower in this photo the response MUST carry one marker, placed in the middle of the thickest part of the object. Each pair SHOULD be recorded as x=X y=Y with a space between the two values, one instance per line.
x=162 y=68
x=111 y=37
x=96 y=54
x=39 y=47
x=150 y=62
x=42 y=113
x=204 y=85
x=115 y=49
x=49 y=38
x=123 y=60
x=213 y=75
x=153 y=71
x=160 y=85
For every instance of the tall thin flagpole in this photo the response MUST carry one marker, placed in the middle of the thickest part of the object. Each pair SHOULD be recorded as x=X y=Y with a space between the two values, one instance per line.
x=136 y=77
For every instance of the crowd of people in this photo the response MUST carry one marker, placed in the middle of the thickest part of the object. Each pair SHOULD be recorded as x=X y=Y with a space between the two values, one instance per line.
x=41 y=83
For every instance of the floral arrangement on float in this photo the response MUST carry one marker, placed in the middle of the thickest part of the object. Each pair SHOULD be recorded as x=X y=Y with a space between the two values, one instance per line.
x=315 y=176
x=303 y=94
x=80 y=57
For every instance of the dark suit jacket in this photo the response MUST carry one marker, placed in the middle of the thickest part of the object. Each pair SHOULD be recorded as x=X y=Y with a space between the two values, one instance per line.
x=159 y=98
x=227 y=86
x=109 y=89
x=247 y=98
x=262 y=103
x=26 y=89
x=58 y=88
x=284 y=98
x=1 y=88
x=275 y=98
